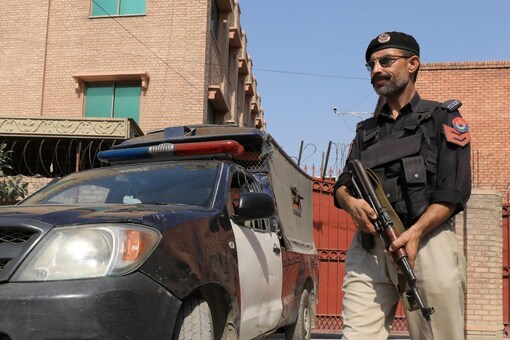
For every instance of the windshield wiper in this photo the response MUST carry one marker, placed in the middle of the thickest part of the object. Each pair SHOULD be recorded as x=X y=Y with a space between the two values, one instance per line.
x=154 y=203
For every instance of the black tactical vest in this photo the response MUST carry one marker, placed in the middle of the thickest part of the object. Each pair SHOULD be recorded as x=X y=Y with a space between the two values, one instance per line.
x=405 y=162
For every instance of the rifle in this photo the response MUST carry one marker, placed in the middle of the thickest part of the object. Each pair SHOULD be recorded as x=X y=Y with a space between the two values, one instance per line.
x=363 y=181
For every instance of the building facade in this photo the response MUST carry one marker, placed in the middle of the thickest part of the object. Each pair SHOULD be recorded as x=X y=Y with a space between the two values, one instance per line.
x=71 y=69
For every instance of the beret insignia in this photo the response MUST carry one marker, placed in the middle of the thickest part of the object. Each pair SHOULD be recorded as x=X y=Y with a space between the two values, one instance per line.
x=383 y=38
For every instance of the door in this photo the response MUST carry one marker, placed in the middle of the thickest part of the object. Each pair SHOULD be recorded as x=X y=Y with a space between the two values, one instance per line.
x=260 y=266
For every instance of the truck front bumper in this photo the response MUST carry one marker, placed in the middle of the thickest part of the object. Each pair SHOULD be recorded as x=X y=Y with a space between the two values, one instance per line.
x=127 y=307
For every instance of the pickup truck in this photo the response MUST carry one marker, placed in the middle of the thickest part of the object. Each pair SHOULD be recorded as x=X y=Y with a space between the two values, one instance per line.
x=193 y=232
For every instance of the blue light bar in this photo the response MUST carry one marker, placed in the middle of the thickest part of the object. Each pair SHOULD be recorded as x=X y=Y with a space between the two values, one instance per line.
x=143 y=152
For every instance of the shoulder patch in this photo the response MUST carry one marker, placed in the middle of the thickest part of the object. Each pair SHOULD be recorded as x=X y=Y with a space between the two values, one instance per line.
x=460 y=124
x=456 y=137
x=451 y=105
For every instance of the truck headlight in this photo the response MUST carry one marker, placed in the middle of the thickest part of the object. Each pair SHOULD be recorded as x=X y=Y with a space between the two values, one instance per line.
x=88 y=251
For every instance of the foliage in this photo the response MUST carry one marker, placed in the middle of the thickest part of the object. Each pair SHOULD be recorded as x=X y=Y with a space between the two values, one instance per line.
x=11 y=188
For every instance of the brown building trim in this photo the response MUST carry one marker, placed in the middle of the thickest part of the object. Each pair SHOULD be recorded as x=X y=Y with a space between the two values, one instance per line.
x=234 y=38
x=111 y=76
x=90 y=128
x=217 y=98
x=466 y=65
x=225 y=5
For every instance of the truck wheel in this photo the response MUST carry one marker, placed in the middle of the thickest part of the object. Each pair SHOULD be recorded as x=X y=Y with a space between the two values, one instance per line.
x=194 y=321
x=302 y=328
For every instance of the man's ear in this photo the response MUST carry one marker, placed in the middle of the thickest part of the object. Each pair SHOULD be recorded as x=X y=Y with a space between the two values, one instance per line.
x=413 y=63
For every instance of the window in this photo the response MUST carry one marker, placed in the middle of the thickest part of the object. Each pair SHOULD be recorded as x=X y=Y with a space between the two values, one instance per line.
x=243 y=182
x=157 y=183
x=211 y=114
x=215 y=18
x=113 y=99
x=117 y=7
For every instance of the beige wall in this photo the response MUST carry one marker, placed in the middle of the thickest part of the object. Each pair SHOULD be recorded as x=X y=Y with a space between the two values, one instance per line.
x=42 y=51
x=479 y=229
x=22 y=44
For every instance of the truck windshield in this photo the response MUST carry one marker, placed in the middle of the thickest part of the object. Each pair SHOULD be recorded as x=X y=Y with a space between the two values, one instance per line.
x=190 y=183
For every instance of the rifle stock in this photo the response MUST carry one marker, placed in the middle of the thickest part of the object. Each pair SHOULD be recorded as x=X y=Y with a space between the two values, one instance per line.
x=364 y=188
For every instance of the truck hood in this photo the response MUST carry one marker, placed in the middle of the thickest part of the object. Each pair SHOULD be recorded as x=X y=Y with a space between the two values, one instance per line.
x=157 y=216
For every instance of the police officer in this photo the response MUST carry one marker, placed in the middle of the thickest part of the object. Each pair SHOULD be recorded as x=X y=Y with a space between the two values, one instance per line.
x=419 y=149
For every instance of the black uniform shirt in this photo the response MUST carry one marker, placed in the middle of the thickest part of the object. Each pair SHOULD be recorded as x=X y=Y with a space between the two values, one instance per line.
x=453 y=184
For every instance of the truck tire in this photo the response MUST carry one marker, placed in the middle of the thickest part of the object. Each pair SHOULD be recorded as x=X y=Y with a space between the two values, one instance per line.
x=302 y=328
x=194 y=321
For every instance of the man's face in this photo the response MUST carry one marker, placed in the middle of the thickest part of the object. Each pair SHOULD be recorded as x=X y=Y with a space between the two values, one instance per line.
x=389 y=71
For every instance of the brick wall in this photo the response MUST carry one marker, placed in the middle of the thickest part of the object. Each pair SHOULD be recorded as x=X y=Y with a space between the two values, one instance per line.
x=479 y=229
x=484 y=89
x=22 y=42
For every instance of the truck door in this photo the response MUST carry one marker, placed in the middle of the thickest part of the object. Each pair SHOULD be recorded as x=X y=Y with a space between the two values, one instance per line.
x=260 y=266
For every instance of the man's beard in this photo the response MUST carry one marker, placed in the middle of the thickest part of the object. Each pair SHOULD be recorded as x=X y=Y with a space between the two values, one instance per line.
x=393 y=87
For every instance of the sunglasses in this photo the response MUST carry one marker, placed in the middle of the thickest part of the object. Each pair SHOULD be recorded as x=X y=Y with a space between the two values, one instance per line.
x=385 y=61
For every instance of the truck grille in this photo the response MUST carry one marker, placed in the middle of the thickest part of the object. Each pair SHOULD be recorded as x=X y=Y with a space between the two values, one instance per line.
x=3 y=263
x=15 y=235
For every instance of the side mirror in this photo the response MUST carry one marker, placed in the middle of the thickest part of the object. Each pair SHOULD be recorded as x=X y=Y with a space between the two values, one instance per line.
x=255 y=205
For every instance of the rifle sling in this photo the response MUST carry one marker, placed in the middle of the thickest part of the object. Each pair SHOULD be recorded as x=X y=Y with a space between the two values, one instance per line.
x=381 y=196
x=399 y=227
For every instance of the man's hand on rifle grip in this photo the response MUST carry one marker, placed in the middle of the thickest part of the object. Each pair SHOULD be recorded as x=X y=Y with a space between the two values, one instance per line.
x=361 y=212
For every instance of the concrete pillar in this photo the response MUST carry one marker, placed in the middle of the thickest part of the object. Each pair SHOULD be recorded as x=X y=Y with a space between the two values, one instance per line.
x=479 y=229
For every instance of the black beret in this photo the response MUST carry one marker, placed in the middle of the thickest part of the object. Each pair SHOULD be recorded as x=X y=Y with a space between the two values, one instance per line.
x=393 y=40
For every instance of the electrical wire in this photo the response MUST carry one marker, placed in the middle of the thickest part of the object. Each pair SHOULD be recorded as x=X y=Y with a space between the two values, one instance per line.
x=310 y=74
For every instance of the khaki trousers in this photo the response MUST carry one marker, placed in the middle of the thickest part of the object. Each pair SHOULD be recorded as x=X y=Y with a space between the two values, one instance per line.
x=371 y=295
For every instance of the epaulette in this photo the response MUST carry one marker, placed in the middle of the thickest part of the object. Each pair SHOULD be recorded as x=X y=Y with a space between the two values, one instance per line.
x=451 y=105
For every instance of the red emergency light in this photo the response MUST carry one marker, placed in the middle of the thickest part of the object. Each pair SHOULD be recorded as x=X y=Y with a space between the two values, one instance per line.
x=230 y=147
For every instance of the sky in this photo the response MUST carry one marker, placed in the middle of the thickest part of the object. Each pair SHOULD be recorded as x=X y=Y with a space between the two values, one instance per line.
x=308 y=58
